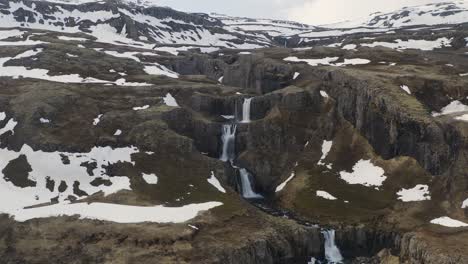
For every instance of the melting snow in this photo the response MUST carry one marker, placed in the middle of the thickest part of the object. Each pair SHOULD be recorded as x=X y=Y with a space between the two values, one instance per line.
x=123 y=82
x=364 y=173
x=419 y=193
x=406 y=89
x=26 y=42
x=326 y=147
x=355 y=61
x=329 y=61
x=462 y=117
x=27 y=54
x=118 y=213
x=465 y=204
x=169 y=100
x=296 y=74
x=71 y=38
x=413 y=44
x=157 y=69
x=4 y=34
x=324 y=94
x=350 y=47
x=448 y=222
x=10 y=126
x=313 y=62
x=118 y=132
x=2 y=116
x=49 y=171
x=325 y=195
x=215 y=182
x=49 y=166
x=452 y=108
x=282 y=185
x=97 y=120
x=138 y=108
x=44 y=120
x=150 y=178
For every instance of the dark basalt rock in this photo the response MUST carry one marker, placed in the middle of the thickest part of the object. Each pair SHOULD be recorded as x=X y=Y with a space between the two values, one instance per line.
x=257 y=73
x=17 y=172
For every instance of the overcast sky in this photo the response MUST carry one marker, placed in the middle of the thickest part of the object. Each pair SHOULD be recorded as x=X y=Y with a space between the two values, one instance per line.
x=315 y=12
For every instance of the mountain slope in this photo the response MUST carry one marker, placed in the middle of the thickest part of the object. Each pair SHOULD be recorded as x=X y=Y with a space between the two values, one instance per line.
x=427 y=15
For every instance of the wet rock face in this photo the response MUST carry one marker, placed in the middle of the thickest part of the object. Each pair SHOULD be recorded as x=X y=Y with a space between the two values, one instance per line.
x=194 y=64
x=260 y=75
x=281 y=248
x=365 y=242
x=390 y=131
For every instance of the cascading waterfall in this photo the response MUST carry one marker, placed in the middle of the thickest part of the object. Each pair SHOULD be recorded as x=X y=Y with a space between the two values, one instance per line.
x=247 y=191
x=228 y=137
x=246 y=110
x=332 y=252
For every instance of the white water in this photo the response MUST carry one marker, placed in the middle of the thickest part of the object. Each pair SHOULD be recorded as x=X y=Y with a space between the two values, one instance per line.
x=332 y=252
x=246 y=110
x=228 y=138
x=247 y=191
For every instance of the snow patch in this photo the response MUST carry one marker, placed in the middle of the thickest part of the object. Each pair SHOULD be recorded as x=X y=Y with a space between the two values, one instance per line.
x=169 y=100
x=71 y=38
x=364 y=173
x=215 y=182
x=462 y=117
x=419 y=193
x=10 y=126
x=329 y=61
x=452 y=108
x=157 y=69
x=413 y=44
x=326 y=195
x=138 y=108
x=326 y=147
x=448 y=222
x=324 y=94
x=313 y=62
x=150 y=178
x=124 y=214
x=465 y=204
x=44 y=120
x=296 y=74
x=406 y=89
x=97 y=120
x=350 y=47
x=282 y=185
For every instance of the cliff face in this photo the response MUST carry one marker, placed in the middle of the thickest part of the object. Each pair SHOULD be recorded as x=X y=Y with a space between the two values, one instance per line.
x=108 y=109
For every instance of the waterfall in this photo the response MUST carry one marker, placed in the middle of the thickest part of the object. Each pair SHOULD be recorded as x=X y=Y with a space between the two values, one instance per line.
x=246 y=110
x=247 y=191
x=228 y=137
x=332 y=252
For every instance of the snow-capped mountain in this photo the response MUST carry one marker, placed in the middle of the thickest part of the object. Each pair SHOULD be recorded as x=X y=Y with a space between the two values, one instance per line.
x=117 y=22
x=273 y=28
x=142 y=24
x=431 y=14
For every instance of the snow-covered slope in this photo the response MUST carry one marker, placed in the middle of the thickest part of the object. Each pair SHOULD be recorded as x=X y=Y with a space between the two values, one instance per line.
x=273 y=28
x=455 y=12
x=117 y=22
x=143 y=24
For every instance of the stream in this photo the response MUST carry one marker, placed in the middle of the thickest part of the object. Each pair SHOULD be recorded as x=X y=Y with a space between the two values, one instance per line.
x=228 y=138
